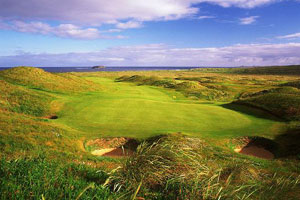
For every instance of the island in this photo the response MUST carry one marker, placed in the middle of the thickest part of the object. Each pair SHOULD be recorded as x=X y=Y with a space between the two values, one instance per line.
x=98 y=67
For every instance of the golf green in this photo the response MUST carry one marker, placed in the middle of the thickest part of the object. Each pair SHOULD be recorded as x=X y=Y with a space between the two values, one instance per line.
x=124 y=109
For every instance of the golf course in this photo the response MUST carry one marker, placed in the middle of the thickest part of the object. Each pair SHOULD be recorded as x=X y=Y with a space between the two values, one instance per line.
x=189 y=134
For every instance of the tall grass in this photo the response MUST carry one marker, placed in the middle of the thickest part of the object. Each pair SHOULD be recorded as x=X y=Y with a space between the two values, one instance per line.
x=39 y=178
x=176 y=167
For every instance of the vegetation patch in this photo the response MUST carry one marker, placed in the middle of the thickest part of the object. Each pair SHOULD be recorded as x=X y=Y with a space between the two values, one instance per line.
x=22 y=100
x=37 y=78
x=188 y=88
x=282 y=102
x=295 y=84
x=269 y=70
x=39 y=178
x=178 y=167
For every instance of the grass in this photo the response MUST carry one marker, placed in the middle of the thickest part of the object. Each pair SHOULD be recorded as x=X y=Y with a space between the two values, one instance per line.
x=177 y=167
x=269 y=70
x=140 y=112
x=192 y=88
x=41 y=158
x=39 y=79
x=37 y=178
x=21 y=100
x=282 y=102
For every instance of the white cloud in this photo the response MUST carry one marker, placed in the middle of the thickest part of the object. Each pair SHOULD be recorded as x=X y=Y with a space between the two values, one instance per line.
x=240 y=3
x=113 y=30
x=290 y=36
x=62 y=30
x=123 y=14
x=72 y=31
x=129 y=24
x=96 y=12
x=163 y=55
x=248 y=20
x=206 y=17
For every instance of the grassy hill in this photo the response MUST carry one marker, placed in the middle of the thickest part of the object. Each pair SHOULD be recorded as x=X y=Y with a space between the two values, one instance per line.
x=189 y=87
x=37 y=78
x=23 y=100
x=283 y=102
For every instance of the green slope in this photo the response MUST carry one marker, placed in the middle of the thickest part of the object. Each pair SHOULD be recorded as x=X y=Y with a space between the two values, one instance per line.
x=37 y=78
x=124 y=109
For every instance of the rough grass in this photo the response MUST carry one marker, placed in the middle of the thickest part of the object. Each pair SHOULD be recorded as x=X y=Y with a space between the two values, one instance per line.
x=37 y=178
x=295 y=84
x=269 y=70
x=191 y=88
x=22 y=135
x=282 y=102
x=177 y=167
x=22 y=100
x=39 y=79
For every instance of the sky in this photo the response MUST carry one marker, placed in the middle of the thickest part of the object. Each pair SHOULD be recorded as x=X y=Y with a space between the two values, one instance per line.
x=216 y=33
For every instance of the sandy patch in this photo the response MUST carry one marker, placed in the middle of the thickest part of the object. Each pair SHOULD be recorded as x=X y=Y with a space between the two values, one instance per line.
x=101 y=152
x=112 y=147
x=256 y=151
x=112 y=152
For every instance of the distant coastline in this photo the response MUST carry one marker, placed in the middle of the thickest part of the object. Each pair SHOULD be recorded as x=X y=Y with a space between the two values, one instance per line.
x=92 y=69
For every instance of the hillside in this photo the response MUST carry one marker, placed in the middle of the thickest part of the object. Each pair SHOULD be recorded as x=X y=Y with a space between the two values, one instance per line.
x=23 y=100
x=282 y=102
x=37 y=78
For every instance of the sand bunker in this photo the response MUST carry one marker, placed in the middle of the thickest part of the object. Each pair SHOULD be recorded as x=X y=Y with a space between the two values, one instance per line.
x=256 y=151
x=112 y=152
x=257 y=146
x=101 y=152
x=112 y=147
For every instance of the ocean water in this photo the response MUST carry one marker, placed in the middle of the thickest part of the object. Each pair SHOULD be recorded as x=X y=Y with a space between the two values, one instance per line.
x=90 y=69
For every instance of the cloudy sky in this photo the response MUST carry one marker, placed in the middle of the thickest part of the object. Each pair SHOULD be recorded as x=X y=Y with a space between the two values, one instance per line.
x=149 y=33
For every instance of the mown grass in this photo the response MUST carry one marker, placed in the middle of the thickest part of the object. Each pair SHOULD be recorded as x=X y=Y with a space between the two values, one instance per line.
x=123 y=109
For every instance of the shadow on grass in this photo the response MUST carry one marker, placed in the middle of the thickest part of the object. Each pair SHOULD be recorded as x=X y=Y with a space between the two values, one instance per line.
x=289 y=143
x=250 y=110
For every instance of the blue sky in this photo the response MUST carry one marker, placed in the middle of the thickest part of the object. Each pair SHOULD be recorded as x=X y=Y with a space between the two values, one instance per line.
x=149 y=33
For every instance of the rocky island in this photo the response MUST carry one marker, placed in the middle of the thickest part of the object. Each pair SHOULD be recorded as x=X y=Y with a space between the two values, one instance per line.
x=98 y=67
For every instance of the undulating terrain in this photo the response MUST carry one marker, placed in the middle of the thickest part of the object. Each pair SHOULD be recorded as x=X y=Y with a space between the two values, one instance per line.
x=194 y=134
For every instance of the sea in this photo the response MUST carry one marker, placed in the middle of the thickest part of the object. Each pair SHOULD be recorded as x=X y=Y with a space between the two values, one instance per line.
x=90 y=69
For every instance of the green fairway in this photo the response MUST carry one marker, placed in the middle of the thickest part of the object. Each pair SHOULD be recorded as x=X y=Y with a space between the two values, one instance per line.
x=124 y=109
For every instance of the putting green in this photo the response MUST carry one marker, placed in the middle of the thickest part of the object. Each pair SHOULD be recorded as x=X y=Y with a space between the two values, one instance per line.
x=124 y=109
